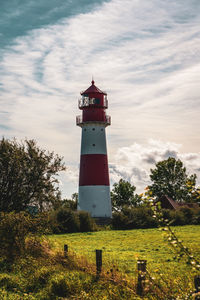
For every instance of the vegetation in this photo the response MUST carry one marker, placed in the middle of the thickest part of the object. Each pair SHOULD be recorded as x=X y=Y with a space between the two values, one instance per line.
x=28 y=181
x=143 y=217
x=132 y=218
x=182 y=251
x=65 y=220
x=122 y=195
x=57 y=277
x=28 y=176
x=170 y=178
x=70 y=203
x=14 y=229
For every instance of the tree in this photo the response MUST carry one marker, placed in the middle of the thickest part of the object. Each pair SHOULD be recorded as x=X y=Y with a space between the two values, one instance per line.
x=122 y=194
x=70 y=203
x=170 y=178
x=28 y=176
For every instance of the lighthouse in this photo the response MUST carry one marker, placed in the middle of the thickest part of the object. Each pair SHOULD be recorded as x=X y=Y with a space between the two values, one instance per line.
x=94 y=185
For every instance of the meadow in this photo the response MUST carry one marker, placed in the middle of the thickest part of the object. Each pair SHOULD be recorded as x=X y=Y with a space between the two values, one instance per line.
x=49 y=275
x=124 y=247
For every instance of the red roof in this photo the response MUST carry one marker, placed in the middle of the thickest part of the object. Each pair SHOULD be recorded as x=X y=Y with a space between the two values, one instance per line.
x=93 y=89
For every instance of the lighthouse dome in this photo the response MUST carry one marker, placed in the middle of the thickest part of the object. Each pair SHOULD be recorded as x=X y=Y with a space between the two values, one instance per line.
x=93 y=89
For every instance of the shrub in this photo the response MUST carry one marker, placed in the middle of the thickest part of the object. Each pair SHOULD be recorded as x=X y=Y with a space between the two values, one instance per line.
x=14 y=229
x=196 y=217
x=37 y=246
x=68 y=221
x=133 y=217
x=65 y=220
x=7 y=282
x=120 y=221
x=177 y=217
x=142 y=217
x=86 y=222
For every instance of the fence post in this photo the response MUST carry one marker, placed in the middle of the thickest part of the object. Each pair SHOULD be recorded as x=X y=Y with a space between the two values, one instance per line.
x=141 y=267
x=98 y=262
x=65 y=250
x=197 y=286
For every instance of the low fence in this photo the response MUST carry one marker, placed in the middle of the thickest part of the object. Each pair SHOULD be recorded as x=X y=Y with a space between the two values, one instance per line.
x=142 y=274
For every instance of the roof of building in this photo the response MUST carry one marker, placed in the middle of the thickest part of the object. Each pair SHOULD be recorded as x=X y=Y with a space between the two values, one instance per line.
x=167 y=202
x=93 y=89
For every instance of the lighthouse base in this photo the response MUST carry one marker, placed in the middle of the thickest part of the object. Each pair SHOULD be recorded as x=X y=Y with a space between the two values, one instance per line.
x=95 y=199
x=103 y=221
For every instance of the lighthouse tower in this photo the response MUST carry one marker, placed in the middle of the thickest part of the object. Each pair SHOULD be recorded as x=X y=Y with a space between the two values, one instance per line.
x=94 y=186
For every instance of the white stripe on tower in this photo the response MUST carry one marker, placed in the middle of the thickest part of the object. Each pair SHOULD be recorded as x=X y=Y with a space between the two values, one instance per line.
x=93 y=139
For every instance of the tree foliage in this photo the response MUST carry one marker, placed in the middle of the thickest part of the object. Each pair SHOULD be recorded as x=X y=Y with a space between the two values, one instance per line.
x=122 y=194
x=170 y=178
x=28 y=176
x=70 y=203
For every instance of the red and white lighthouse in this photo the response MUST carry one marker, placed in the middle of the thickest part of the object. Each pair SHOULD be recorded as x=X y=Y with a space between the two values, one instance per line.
x=94 y=185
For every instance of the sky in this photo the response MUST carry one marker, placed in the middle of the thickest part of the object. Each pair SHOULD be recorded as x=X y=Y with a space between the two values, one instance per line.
x=144 y=54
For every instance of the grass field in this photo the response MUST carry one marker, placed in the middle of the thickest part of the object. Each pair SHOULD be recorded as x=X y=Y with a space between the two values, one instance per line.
x=125 y=247
x=53 y=277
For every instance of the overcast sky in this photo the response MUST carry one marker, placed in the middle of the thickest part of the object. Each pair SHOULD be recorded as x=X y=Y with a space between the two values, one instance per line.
x=144 y=53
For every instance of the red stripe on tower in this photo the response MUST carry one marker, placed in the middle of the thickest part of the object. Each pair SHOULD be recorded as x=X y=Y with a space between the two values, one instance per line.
x=94 y=170
x=94 y=189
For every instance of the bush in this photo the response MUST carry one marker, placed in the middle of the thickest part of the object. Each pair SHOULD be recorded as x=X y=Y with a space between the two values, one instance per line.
x=86 y=222
x=37 y=246
x=185 y=216
x=120 y=221
x=196 y=217
x=142 y=217
x=65 y=220
x=7 y=282
x=68 y=220
x=14 y=229
x=132 y=218
x=177 y=217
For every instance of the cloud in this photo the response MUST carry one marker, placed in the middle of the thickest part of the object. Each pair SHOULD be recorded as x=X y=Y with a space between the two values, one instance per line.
x=134 y=163
x=144 y=53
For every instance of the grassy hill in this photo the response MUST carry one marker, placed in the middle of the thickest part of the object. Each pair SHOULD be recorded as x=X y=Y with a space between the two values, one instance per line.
x=52 y=276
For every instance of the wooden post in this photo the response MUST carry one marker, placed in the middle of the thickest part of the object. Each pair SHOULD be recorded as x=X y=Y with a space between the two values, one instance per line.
x=141 y=267
x=98 y=262
x=197 y=286
x=65 y=250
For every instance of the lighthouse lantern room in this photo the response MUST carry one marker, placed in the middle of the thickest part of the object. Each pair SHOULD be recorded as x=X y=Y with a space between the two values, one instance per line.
x=94 y=186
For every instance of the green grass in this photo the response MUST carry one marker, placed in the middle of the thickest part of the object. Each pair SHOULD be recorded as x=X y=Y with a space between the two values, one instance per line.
x=54 y=277
x=125 y=247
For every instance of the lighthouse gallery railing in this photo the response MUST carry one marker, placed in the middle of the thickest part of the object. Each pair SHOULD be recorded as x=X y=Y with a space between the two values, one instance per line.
x=79 y=120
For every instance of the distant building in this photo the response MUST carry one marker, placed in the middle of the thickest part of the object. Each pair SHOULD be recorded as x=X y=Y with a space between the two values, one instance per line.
x=169 y=203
